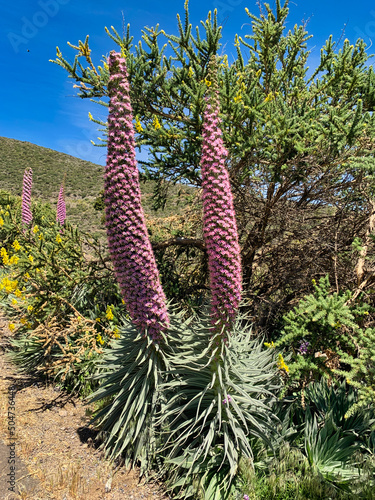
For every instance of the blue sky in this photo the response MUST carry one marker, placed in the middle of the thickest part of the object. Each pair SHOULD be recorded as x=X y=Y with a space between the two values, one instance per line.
x=38 y=101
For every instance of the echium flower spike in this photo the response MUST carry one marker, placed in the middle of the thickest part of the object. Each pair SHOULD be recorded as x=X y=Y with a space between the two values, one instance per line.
x=26 y=213
x=61 y=207
x=128 y=240
x=219 y=222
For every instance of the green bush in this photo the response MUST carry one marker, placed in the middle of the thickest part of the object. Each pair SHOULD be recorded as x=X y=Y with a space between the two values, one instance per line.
x=318 y=451
x=325 y=337
x=60 y=294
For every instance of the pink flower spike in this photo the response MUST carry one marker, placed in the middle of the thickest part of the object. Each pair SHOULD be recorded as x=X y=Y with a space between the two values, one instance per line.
x=26 y=213
x=61 y=207
x=128 y=241
x=219 y=221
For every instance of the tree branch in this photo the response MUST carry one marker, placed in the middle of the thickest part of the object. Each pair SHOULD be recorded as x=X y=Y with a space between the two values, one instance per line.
x=185 y=242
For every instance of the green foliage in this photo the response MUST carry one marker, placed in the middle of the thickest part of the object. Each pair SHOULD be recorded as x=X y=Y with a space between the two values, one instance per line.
x=329 y=452
x=318 y=451
x=325 y=323
x=132 y=372
x=218 y=396
x=332 y=436
x=362 y=368
x=55 y=296
x=289 y=477
x=330 y=326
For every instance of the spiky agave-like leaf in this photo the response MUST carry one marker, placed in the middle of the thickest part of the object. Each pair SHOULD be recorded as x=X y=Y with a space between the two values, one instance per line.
x=218 y=396
x=330 y=451
x=132 y=371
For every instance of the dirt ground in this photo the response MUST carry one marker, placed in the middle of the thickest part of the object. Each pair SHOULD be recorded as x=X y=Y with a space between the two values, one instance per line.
x=49 y=452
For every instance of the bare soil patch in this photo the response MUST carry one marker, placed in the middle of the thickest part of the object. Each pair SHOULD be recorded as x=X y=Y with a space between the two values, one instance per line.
x=56 y=457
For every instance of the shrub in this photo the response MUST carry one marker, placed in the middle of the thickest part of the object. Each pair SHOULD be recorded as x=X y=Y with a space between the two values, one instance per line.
x=63 y=307
x=325 y=338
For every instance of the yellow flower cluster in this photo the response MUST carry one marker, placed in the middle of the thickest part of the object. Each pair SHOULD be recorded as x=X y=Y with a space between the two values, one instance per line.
x=14 y=260
x=8 y=285
x=99 y=339
x=281 y=364
x=138 y=125
x=270 y=97
x=1 y=221
x=156 y=123
x=241 y=89
x=58 y=239
x=16 y=245
x=4 y=255
x=270 y=345
x=225 y=64
x=109 y=313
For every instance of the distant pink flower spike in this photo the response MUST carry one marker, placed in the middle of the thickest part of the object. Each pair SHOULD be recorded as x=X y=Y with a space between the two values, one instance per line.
x=26 y=214
x=61 y=207
x=128 y=240
x=219 y=222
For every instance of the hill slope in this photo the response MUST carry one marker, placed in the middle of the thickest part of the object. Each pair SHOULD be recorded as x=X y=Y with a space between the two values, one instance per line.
x=83 y=184
x=83 y=178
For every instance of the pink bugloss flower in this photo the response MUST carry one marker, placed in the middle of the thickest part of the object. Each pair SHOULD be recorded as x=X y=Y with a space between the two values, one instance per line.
x=128 y=240
x=26 y=214
x=61 y=207
x=219 y=222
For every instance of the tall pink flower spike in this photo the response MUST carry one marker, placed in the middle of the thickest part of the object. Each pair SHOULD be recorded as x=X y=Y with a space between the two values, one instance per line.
x=219 y=222
x=26 y=214
x=61 y=207
x=128 y=240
